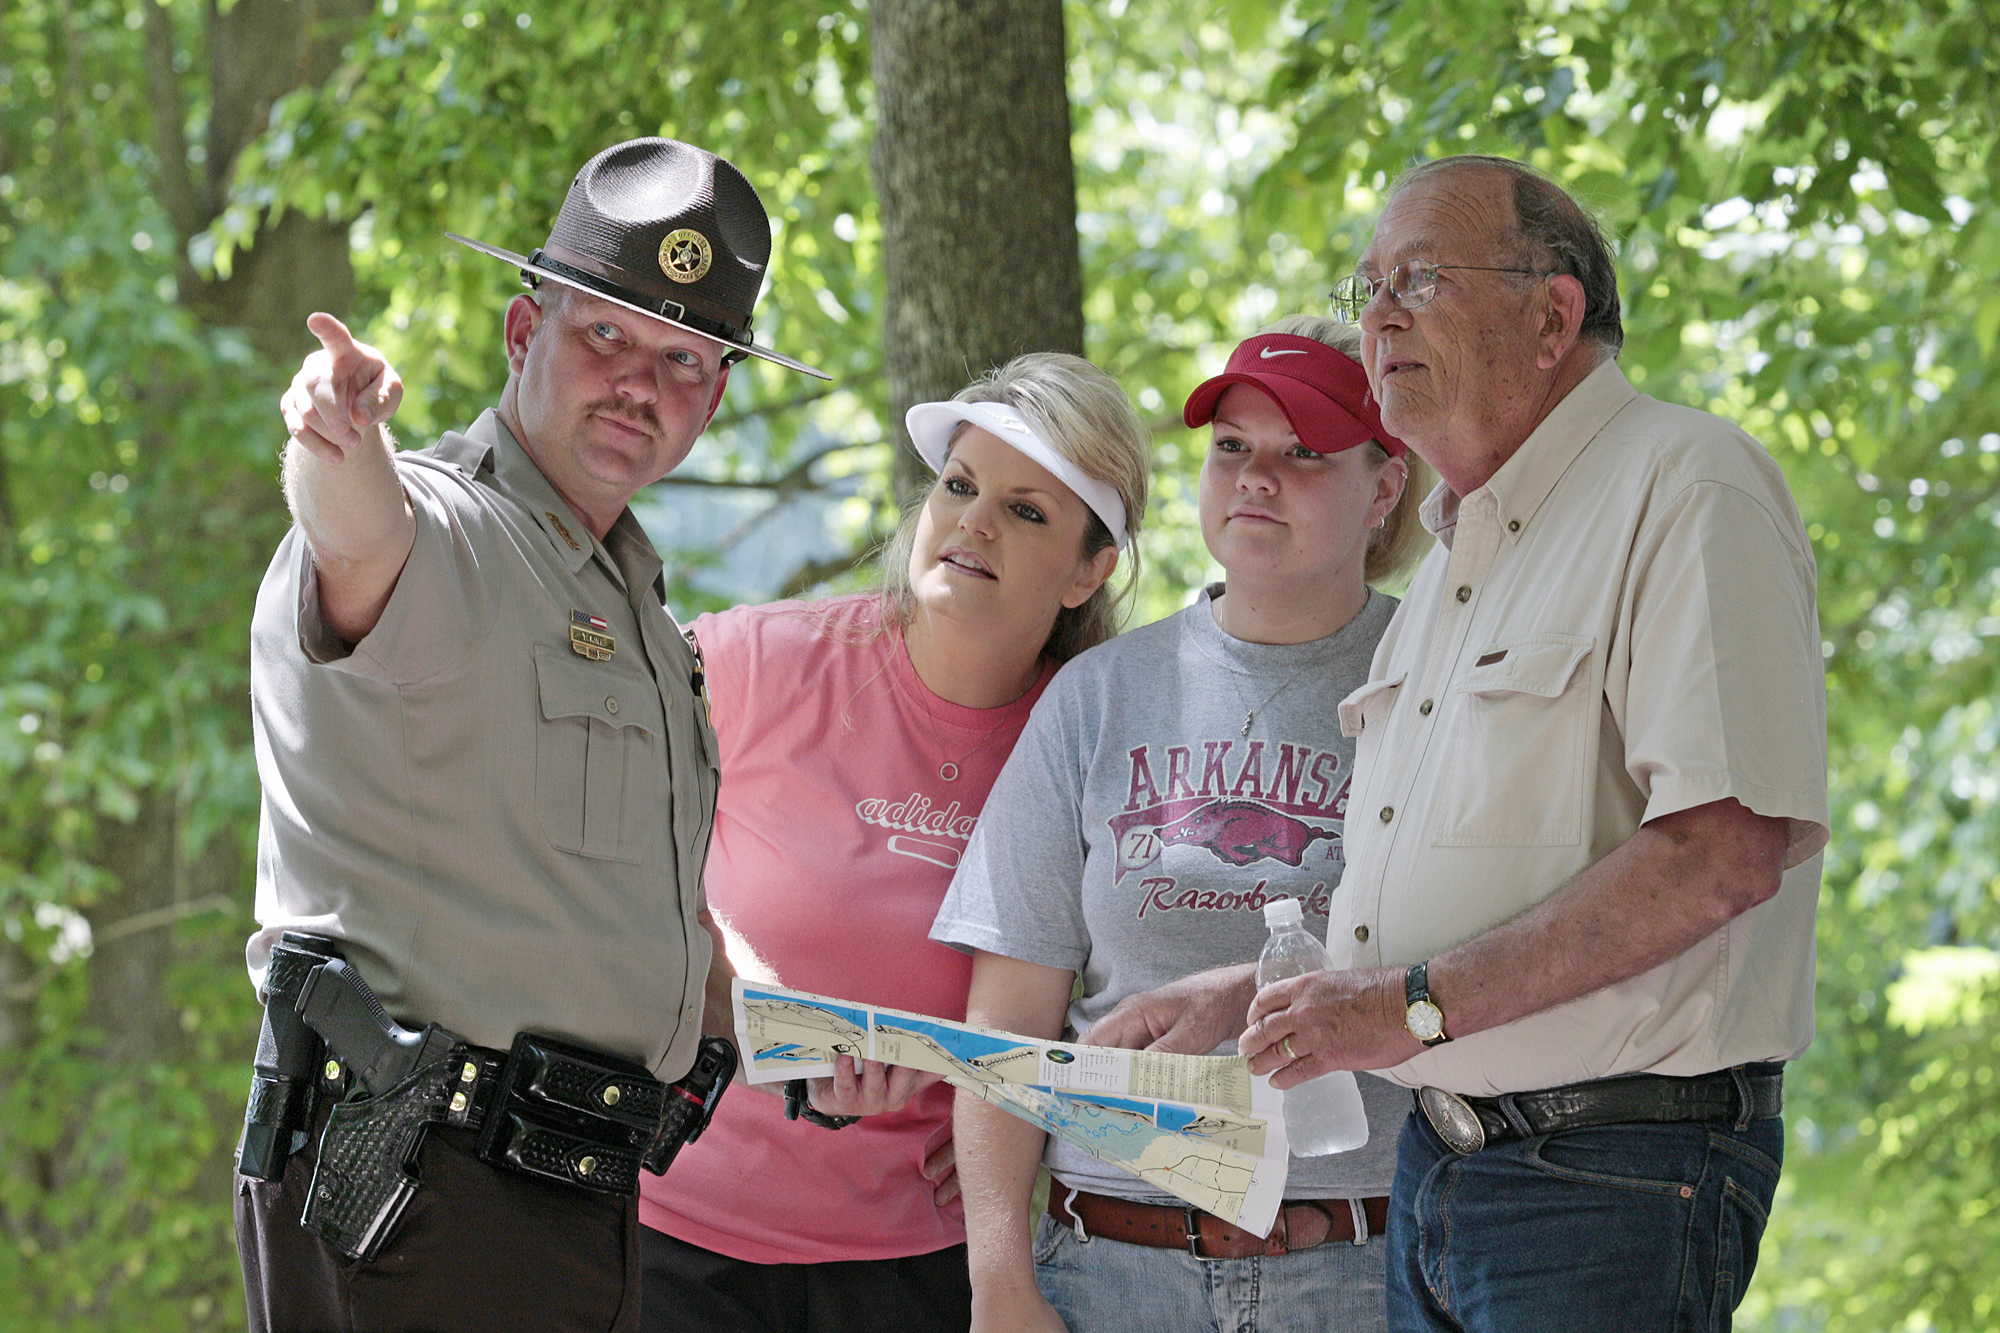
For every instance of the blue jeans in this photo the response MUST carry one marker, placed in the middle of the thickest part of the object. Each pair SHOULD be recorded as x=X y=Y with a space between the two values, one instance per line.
x=1105 y=1286
x=1635 y=1227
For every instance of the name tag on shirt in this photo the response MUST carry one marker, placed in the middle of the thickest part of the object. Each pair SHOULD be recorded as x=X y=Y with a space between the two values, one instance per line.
x=590 y=636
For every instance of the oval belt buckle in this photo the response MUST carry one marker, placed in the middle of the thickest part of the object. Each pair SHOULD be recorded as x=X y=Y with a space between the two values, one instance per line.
x=1454 y=1120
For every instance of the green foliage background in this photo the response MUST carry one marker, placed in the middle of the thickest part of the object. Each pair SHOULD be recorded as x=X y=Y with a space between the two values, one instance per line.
x=1807 y=237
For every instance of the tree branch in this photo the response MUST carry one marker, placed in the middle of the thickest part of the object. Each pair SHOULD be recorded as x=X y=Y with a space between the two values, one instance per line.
x=16 y=991
x=1963 y=507
x=161 y=916
x=792 y=480
x=806 y=399
x=815 y=572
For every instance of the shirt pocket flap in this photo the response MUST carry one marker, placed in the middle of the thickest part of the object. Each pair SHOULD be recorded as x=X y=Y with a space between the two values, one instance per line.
x=572 y=687
x=1540 y=666
x=1370 y=701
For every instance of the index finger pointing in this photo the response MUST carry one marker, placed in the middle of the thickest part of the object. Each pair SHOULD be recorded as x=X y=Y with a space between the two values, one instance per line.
x=332 y=334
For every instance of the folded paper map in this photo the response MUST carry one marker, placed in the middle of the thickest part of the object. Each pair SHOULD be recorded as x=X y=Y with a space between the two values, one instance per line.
x=1200 y=1127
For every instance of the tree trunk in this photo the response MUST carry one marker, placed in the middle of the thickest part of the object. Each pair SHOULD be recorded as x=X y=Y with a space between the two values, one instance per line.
x=257 y=51
x=978 y=194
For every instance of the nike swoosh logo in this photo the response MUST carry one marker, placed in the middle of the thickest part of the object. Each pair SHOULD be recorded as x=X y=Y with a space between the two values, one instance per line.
x=1266 y=353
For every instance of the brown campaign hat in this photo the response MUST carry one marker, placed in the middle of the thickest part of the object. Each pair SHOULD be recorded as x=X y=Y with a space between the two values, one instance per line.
x=668 y=230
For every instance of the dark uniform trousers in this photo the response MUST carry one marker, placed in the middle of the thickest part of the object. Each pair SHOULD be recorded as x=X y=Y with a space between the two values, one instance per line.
x=478 y=1247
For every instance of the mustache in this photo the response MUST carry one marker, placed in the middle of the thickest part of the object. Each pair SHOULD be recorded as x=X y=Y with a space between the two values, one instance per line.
x=638 y=414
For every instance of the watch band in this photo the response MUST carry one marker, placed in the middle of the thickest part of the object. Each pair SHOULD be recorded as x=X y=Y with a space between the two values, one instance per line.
x=798 y=1107
x=1421 y=1014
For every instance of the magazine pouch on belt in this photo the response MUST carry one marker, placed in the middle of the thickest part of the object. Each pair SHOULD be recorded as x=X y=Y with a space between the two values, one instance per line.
x=574 y=1115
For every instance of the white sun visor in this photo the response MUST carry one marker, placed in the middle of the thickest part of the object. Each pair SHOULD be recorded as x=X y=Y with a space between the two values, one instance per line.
x=931 y=424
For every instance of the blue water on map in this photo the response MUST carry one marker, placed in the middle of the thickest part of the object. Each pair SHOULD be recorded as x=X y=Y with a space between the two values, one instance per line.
x=1115 y=1103
x=967 y=1046
x=857 y=1017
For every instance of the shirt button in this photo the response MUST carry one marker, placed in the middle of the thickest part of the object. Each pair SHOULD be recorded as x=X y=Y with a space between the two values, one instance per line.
x=1424 y=708
x=611 y=704
x=1388 y=813
x=1361 y=933
x=1464 y=594
x=1513 y=525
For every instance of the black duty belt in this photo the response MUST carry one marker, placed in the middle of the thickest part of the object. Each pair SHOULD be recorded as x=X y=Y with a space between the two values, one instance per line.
x=546 y=1107
x=1738 y=1096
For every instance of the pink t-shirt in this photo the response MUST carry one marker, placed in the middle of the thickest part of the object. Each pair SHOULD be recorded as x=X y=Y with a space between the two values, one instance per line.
x=835 y=839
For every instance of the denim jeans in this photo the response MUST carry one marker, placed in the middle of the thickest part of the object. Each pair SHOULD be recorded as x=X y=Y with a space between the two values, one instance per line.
x=1635 y=1227
x=1106 y=1286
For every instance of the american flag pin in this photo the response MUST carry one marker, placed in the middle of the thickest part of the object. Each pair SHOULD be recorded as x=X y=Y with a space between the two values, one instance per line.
x=590 y=636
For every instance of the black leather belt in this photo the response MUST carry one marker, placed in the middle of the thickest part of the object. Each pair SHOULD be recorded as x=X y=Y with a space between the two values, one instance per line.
x=1737 y=1095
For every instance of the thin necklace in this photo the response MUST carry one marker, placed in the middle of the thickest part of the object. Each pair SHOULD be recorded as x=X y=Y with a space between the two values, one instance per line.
x=1250 y=713
x=949 y=769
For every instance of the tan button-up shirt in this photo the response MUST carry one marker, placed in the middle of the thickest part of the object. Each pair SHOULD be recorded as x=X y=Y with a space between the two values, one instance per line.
x=507 y=832
x=1618 y=625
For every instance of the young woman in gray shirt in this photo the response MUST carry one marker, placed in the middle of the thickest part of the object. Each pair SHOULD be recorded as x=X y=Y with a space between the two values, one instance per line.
x=1169 y=783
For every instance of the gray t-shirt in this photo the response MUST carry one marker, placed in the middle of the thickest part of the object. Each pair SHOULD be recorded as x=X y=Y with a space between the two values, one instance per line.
x=1136 y=833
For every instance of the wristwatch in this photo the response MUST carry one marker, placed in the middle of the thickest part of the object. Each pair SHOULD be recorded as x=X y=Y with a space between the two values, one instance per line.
x=1422 y=1016
x=797 y=1107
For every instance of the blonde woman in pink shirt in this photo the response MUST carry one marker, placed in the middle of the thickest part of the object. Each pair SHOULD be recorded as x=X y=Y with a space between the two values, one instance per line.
x=859 y=737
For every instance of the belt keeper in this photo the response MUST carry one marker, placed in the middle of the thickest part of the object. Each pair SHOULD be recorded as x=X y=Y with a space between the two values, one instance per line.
x=1515 y=1120
x=1744 y=1104
x=1191 y=1224
x=1354 y=1206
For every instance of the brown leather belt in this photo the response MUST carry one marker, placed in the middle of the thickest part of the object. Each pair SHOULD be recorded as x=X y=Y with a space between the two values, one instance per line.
x=1302 y=1224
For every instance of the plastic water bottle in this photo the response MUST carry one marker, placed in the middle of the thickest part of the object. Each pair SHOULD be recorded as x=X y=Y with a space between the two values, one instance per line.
x=1324 y=1114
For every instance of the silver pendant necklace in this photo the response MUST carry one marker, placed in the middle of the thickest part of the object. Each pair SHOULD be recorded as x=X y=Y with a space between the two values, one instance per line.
x=1249 y=711
x=949 y=769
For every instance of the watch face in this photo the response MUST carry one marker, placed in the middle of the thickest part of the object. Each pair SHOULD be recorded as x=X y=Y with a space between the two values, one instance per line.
x=1425 y=1020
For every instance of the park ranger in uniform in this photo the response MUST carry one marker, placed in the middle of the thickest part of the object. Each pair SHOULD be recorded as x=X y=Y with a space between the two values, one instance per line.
x=488 y=786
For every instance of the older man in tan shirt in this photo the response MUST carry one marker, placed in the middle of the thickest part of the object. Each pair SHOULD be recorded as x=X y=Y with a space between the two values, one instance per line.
x=1589 y=800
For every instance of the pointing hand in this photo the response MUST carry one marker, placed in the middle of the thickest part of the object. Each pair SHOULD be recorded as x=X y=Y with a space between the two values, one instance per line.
x=342 y=393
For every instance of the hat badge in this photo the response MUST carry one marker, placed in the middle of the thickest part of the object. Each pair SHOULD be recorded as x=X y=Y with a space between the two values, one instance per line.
x=685 y=255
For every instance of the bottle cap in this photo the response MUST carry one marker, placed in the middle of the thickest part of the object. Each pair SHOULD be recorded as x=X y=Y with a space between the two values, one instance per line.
x=1283 y=912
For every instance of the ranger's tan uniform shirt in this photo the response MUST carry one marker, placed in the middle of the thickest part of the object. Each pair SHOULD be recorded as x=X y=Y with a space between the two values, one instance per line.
x=1619 y=625
x=508 y=834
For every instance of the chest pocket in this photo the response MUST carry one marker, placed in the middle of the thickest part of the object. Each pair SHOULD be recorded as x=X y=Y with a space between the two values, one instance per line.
x=600 y=759
x=1369 y=705
x=1516 y=746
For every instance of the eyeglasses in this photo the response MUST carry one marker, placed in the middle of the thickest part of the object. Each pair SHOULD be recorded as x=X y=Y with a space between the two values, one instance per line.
x=1412 y=283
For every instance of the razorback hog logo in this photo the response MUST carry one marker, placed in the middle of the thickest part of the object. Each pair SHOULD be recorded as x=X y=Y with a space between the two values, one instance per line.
x=1271 y=805
x=1243 y=832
